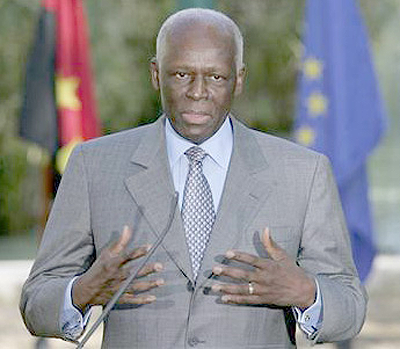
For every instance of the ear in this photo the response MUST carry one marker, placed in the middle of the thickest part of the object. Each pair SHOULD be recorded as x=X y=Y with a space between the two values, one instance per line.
x=240 y=79
x=154 y=74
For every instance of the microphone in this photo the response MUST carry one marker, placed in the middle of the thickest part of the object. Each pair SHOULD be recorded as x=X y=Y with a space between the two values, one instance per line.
x=132 y=276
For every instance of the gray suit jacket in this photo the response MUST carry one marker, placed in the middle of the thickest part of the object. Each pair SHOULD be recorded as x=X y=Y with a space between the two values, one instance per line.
x=270 y=182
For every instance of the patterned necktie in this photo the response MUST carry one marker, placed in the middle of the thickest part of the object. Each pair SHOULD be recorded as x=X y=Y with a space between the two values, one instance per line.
x=198 y=213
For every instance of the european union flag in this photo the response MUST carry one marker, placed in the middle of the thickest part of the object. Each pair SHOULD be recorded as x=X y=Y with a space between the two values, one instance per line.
x=340 y=112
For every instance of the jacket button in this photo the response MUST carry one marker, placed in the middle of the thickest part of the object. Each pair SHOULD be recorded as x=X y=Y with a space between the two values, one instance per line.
x=189 y=286
x=193 y=341
x=206 y=290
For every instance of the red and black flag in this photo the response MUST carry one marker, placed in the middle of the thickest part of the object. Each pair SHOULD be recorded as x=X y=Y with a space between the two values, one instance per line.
x=59 y=108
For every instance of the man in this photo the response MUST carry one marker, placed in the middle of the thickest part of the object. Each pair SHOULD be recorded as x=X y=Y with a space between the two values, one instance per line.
x=257 y=235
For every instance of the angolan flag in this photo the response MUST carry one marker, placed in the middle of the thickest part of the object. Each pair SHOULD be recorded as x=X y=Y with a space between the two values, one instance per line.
x=59 y=109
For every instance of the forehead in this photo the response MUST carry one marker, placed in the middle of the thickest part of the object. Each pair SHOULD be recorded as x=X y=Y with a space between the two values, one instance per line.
x=192 y=43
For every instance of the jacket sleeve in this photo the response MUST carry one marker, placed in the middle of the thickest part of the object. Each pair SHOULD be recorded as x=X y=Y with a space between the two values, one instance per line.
x=66 y=250
x=326 y=254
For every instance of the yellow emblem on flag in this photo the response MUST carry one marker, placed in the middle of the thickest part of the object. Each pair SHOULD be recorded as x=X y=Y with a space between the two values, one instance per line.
x=312 y=68
x=64 y=153
x=317 y=104
x=67 y=93
x=306 y=136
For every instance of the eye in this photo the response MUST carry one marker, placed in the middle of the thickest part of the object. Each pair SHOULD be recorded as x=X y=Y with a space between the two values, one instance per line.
x=216 y=77
x=181 y=75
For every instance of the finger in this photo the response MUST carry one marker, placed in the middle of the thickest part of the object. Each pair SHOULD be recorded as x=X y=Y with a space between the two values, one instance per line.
x=245 y=258
x=150 y=268
x=242 y=289
x=123 y=241
x=142 y=286
x=128 y=298
x=239 y=299
x=273 y=250
x=146 y=270
x=235 y=273
x=136 y=253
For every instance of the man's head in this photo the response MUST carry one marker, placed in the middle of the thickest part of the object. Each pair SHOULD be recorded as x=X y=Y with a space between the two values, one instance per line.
x=198 y=70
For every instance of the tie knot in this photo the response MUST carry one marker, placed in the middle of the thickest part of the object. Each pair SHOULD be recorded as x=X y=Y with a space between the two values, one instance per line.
x=195 y=154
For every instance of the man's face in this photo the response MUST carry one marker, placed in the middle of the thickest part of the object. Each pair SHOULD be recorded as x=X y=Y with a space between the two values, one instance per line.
x=198 y=80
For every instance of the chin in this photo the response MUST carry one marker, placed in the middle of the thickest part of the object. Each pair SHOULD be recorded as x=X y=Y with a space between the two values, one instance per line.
x=199 y=138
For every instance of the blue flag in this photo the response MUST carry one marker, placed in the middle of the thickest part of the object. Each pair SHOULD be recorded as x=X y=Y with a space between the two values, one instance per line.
x=339 y=110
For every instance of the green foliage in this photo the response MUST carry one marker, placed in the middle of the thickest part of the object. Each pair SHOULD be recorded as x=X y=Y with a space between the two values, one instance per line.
x=17 y=194
x=14 y=217
x=123 y=43
x=272 y=53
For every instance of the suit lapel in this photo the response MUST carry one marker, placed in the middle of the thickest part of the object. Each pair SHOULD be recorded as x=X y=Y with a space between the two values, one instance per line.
x=246 y=188
x=152 y=189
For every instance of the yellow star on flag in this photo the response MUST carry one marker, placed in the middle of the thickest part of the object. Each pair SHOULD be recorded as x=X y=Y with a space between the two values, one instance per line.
x=317 y=104
x=306 y=136
x=67 y=93
x=312 y=68
x=64 y=152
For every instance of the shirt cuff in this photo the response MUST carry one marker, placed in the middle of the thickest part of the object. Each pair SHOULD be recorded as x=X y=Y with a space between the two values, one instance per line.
x=72 y=321
x=310 y=319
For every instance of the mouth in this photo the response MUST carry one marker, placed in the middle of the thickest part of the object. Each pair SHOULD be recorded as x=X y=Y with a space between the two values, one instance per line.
x=195 y=116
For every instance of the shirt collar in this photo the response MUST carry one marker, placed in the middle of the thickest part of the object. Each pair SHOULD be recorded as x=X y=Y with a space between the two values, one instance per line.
x=218 y=147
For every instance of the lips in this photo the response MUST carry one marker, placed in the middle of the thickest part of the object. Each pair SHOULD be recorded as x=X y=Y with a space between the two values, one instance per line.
x=195 y=112
x=195 y=116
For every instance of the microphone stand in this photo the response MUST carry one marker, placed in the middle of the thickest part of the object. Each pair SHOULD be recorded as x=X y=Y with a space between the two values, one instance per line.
x=128 y=281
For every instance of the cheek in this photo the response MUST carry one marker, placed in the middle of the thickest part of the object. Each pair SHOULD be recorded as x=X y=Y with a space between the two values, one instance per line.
x=171 y=95
x=223 y=99
x=223 y=94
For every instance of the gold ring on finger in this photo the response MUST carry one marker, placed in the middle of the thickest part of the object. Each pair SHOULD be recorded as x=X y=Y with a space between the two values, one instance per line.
x=251 y=288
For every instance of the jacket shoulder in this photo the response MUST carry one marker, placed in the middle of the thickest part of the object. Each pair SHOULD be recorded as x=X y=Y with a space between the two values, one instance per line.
x=285 y=148
x=117 y=139
x=117 y=148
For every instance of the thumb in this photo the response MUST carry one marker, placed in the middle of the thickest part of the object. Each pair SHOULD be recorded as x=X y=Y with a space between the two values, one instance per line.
x=123 y=240
x=273 y=250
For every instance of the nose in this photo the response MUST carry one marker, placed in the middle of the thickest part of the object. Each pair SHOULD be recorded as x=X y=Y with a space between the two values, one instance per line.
x=197 y=89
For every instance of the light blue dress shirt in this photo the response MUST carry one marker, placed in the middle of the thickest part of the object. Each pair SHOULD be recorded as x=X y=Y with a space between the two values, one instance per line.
x=215 y=165
x=215 y=168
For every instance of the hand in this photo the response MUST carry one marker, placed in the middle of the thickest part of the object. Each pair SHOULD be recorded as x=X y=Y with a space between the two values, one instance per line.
x=102 y=280
x=276 y=280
